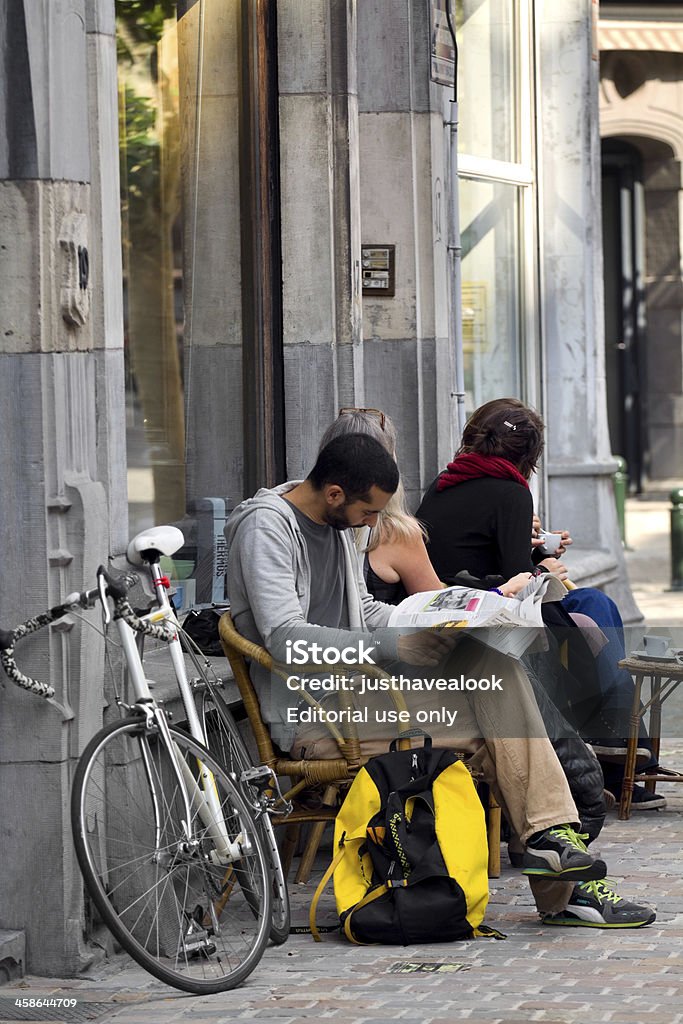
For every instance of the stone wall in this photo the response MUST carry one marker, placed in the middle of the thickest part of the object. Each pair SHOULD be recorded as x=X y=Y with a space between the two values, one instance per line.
x=62 y=453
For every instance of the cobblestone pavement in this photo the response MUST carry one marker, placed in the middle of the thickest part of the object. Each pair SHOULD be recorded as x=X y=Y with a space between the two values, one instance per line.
x=556 y=975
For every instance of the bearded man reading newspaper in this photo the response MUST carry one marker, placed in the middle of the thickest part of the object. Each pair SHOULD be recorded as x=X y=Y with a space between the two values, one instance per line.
x=292 y=567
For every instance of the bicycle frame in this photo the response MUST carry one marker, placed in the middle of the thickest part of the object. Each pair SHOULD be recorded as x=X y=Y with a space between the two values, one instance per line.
x=204 y=801
x=195 y=863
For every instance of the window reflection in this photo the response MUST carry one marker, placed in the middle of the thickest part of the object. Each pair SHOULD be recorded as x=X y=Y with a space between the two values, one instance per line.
x=487 y=86
x=490 y=290
x=152 y=233
x=181 y=232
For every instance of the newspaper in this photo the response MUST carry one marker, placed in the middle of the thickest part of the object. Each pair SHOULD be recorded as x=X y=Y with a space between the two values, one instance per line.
x=508 y=624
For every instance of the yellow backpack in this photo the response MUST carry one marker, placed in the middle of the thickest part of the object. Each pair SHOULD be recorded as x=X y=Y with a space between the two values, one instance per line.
x=411 y=861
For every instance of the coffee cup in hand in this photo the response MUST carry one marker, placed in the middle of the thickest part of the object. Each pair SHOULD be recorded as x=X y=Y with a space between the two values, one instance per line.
x=552 y=542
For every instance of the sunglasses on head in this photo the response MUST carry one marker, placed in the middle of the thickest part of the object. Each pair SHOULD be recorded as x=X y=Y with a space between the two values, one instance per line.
x=377 y=413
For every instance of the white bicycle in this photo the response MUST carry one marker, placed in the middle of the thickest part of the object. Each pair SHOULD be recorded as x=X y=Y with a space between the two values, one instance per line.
x=176 y=848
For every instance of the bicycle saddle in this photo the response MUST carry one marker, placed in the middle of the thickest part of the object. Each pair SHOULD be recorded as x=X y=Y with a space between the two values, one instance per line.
x=148 y=545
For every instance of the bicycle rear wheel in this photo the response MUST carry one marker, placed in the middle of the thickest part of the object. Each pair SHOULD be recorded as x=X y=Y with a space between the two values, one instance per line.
x=225 y=742
x=191 y=916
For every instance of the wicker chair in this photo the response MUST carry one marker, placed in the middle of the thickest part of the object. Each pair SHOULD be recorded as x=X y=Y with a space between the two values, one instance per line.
x=333 y=773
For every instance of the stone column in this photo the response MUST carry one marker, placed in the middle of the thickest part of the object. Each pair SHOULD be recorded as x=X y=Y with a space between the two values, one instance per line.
x=404 y=201
x=579 y=460
x=320 y=218
x=64 y=442
x=209 y=138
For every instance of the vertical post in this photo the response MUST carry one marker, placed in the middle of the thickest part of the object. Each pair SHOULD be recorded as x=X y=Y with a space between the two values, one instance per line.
x=620 y=480
x=455 y=245
x=262 y=360
x=677 y=539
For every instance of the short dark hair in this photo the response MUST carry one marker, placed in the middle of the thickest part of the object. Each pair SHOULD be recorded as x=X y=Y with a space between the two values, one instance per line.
x=507 y=428
x=356 y=463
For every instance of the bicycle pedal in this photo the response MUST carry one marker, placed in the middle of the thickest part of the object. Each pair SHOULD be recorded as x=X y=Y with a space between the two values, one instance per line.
x=197 y=939
x=198 y=944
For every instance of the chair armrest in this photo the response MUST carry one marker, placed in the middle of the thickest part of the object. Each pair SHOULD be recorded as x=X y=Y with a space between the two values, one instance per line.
x=235 y=641
x=232 y=638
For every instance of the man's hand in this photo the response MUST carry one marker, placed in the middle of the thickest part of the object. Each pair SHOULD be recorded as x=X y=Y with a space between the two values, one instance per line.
x=428 y=646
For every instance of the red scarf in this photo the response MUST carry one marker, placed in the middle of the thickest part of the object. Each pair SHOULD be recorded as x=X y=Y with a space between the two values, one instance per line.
x=471 y=466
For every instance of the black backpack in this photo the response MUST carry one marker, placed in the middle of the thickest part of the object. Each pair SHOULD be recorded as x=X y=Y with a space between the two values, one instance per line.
x=412 y=857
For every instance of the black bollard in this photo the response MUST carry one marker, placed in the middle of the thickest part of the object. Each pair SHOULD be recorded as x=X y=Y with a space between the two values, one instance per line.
x=620 y=482
x=677 y=539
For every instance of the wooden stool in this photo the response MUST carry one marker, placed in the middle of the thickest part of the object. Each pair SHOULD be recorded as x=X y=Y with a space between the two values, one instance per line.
x=664 y=677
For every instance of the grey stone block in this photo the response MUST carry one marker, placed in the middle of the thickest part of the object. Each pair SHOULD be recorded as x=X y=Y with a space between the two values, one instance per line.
x=303 y=47
x=395 y=372
x=310 y=371
x=392 y=44
x=12 y=955
x=215 y=468
x=100 y=17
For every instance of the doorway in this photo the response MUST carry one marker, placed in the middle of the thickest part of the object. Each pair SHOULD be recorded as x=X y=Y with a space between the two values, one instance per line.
x=623 y=223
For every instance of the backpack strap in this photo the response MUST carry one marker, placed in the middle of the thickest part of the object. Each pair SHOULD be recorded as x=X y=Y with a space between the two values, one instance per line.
x=319 y=891
x=373 y=895
x=406 y=734
x=484 y=932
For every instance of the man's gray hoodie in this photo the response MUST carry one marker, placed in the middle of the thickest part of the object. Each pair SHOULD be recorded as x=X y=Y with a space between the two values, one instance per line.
x=269 y=589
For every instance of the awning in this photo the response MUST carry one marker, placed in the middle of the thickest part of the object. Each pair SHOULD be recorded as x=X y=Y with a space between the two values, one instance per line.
x=666 y=36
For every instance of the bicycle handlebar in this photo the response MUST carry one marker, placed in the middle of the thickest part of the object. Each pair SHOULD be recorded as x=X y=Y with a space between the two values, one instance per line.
x=117 y=588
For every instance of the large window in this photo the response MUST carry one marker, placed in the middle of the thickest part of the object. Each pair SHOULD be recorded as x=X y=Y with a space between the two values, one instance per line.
x=496 y=198
x=152 y=230
x=196 y=92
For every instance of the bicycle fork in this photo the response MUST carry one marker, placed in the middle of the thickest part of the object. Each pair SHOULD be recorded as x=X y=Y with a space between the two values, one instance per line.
x=202 y=801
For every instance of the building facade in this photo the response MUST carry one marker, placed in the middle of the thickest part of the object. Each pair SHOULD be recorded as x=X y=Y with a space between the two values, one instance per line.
x=223 y=220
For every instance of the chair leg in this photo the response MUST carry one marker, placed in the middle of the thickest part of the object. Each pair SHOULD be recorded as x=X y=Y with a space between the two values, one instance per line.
x=493 y=836
x=289 y=846
x=632 y=743
x=306 y=863
x=655 y=729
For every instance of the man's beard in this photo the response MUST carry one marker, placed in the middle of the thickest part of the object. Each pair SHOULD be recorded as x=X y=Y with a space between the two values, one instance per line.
x=336 y=518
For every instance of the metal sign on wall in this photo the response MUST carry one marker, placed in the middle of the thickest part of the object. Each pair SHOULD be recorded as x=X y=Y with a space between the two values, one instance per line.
x=378 y=270
x=442 y=62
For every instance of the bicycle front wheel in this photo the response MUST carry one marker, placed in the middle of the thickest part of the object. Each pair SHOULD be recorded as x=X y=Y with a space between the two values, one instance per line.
x=224 y=740
x=193 y=915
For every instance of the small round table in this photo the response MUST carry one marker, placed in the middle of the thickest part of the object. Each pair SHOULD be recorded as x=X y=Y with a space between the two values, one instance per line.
x=664 y=677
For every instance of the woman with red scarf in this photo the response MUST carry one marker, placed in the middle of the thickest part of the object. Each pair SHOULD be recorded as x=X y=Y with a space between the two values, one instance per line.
x=478 y=512
x=478 y=515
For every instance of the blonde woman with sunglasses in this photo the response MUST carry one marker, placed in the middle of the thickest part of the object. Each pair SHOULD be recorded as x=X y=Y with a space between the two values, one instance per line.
x=395 y=562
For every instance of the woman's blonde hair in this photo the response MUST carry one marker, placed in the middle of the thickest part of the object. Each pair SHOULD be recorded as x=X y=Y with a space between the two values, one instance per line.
x=394 y=523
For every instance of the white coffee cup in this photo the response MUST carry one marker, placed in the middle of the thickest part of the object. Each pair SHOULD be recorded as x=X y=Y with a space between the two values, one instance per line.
x=551 y=542
x=656 y=645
